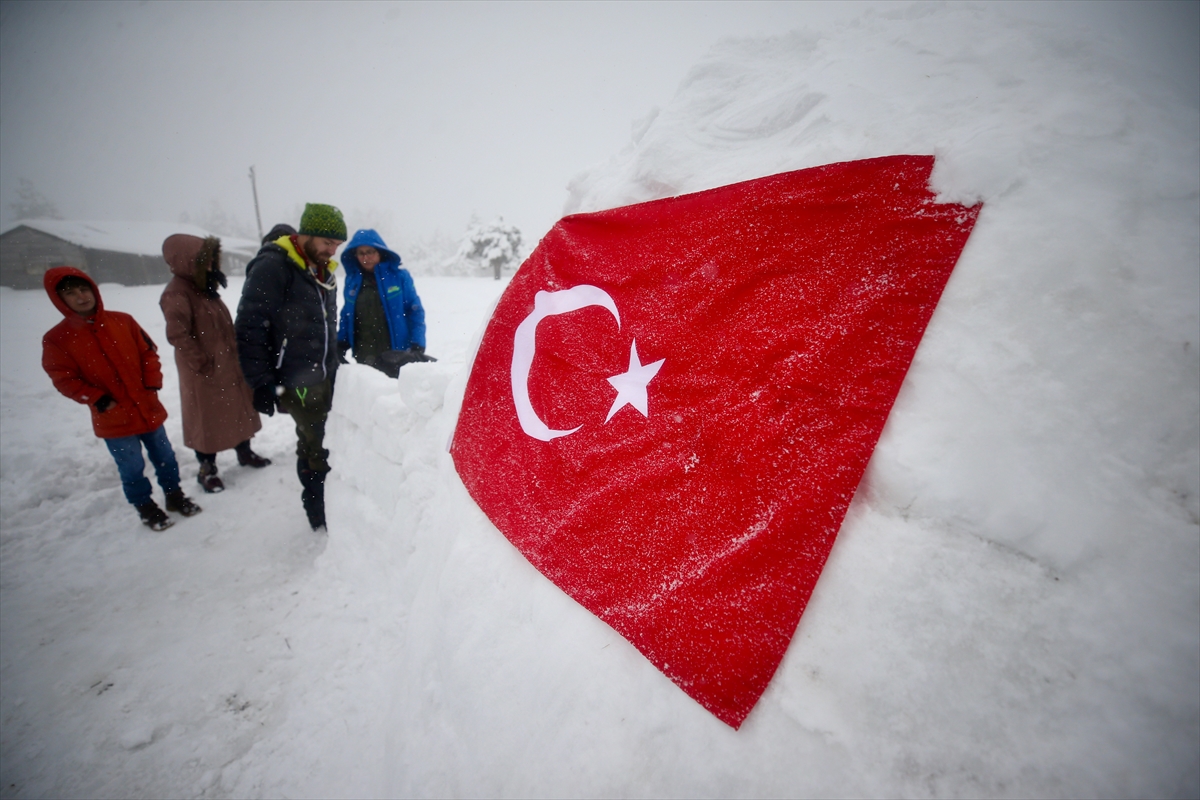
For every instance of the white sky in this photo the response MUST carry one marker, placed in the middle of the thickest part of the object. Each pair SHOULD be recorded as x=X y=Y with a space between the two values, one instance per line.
x=409 y=116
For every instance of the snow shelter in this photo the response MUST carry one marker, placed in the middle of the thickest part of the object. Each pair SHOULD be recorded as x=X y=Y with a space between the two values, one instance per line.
x=128 y=253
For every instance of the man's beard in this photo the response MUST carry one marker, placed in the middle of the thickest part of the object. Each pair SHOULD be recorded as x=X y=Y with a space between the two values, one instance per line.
x=310 y=250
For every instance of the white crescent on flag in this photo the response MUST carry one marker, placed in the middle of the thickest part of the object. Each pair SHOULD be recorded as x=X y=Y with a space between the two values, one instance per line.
x=547 y=304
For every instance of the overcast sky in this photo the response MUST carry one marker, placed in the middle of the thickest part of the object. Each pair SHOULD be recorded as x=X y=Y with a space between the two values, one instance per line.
x=414 y=115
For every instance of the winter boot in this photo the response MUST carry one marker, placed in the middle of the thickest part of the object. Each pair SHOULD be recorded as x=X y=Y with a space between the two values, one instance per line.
x=153 y=516
x=180 y=503
x=249 y=458
x=208 y=479
x=313 y=496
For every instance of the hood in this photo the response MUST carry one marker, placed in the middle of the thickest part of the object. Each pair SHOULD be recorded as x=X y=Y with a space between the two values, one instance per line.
x=189 y=256
x=368 y=237
x=56 y=274
x=281 y=229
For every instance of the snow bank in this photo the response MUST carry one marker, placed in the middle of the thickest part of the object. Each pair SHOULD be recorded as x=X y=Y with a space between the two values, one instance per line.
x=1012 y=607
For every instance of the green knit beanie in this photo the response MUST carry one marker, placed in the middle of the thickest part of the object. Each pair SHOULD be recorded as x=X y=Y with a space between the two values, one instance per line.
x=322 y=220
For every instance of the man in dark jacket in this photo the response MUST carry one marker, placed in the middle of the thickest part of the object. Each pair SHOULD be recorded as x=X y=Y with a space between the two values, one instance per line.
x=287 y=339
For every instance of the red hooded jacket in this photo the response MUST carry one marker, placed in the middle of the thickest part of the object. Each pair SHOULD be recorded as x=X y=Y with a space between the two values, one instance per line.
x=106 y=353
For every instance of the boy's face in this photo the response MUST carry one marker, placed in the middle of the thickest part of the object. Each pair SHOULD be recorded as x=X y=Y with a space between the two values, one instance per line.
x=79 y=299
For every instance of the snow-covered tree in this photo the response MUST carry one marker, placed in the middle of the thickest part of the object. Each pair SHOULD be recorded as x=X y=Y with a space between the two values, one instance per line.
x=435 y=254
x=493 y=247
x=32 y=204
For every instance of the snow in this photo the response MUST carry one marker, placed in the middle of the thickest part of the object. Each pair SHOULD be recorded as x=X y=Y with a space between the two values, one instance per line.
x=1012 y=607
x=140 y=238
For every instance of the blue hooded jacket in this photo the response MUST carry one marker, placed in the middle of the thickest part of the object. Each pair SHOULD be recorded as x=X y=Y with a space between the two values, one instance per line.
x=401 y=306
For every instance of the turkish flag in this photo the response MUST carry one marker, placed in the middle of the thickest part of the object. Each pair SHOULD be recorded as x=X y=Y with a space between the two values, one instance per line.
x=674 y=401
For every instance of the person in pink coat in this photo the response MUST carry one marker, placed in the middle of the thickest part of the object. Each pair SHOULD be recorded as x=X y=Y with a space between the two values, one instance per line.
x=217 y=404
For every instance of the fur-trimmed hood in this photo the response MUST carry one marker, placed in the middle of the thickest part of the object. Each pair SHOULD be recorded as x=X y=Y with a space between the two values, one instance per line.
x=189 y=257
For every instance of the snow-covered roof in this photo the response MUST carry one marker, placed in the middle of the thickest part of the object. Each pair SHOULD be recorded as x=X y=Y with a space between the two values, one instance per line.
x=142 y=238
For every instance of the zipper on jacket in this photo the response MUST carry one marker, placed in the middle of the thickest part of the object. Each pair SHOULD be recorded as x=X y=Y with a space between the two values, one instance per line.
x=282 y=350
x=325 y=325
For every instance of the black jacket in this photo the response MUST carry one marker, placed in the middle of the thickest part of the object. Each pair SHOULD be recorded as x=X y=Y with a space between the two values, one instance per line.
x=286 y=323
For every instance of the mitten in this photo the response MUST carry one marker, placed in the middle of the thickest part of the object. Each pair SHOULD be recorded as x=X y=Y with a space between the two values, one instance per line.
x=264 y=400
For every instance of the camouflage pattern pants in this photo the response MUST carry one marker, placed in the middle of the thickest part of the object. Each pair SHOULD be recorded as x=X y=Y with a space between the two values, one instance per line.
x=309 y=407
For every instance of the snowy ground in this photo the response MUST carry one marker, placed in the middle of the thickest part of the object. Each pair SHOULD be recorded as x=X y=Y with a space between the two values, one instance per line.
x=143 y=664
x=1012 y=607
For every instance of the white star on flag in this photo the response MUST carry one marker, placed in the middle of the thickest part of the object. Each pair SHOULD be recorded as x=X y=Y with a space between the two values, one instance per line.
x=631 y=384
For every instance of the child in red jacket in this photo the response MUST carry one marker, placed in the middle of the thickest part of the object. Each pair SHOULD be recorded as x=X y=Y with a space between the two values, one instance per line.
x=105 y=360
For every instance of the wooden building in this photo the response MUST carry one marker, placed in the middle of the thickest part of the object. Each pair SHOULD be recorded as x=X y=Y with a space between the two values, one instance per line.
x=128 y=253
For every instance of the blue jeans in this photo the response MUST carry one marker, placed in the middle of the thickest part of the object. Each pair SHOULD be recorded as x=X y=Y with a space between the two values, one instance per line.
x=127 y=452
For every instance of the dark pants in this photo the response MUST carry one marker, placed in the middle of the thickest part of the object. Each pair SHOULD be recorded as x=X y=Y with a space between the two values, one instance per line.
x=309 y=407
x=127 y=452
x=202 y=457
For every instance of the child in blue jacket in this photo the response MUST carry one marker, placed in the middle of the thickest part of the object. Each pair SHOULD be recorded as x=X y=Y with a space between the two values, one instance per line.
x=382 y=319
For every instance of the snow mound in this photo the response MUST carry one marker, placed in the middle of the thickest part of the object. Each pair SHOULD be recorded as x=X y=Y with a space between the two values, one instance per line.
x=1012 y=607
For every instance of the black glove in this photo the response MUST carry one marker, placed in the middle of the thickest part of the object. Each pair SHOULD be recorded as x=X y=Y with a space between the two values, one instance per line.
x=105 y=402
x=390 y=361
x=343 y=348
x=418 y=353
x=264 y=400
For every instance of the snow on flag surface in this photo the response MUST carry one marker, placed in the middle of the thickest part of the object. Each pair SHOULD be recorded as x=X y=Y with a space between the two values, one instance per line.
x=674 y=402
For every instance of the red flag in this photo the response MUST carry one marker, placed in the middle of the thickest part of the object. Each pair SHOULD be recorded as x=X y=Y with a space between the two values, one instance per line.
x=674 y=402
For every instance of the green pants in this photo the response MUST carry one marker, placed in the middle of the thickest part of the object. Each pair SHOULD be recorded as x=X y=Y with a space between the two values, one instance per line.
x=309 y=407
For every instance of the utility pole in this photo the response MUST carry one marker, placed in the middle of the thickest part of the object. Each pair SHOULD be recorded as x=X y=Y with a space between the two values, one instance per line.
x=257 y=215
